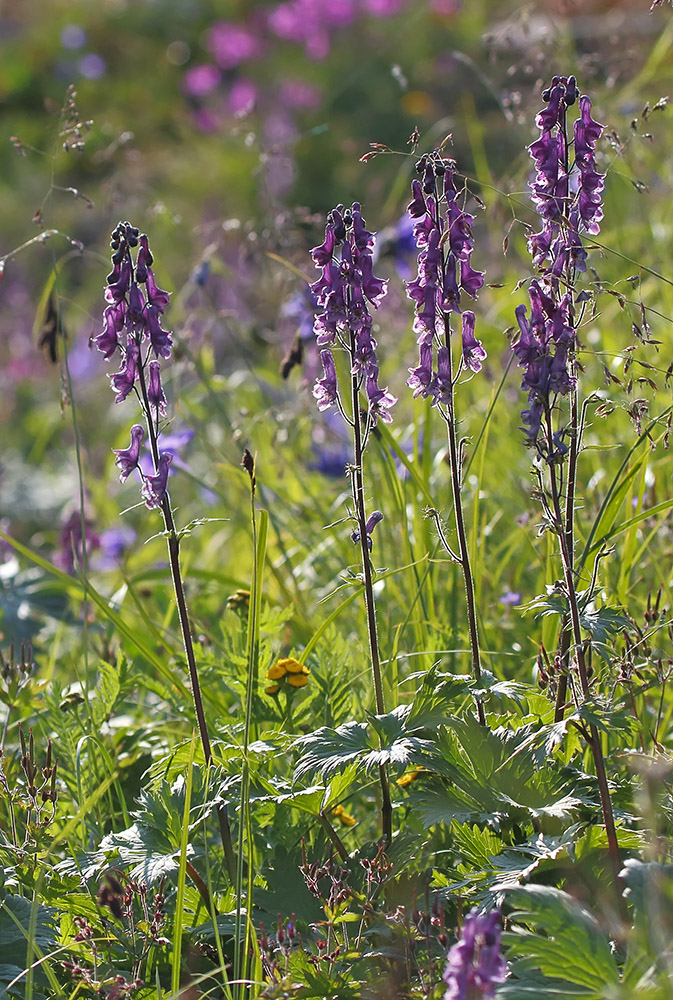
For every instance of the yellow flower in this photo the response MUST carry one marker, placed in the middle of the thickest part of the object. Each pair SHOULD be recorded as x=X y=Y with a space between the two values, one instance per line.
x=293 y=666
x=272 y=689
x=277 y=671
x=407 y=778
x=344 y=817
x=298 y=680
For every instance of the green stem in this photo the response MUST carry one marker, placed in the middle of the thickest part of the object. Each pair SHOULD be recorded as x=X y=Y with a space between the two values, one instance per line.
x=357 y=488
x=173 y=541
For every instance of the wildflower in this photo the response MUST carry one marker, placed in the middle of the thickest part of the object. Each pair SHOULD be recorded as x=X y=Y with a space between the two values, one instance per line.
x=444 y=242
x=289 y=671
x=568 y=199
x=72 y=544
x=475 y=964
x=155 y=393
x=371 y=523
x=344 y=817
x=127 y=458
x=325 y=389
x=343 y=293
x=154 y=488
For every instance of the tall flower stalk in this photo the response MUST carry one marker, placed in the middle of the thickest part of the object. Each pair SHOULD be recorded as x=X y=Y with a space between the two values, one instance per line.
x=443 y=235
x=344 y=291
x=567 y=194
x=132 y=331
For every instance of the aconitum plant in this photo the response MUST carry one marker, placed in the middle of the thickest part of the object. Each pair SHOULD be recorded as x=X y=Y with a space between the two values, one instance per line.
x=132 y=329
x=343 y=326
x=443 y=236
x=567 y=194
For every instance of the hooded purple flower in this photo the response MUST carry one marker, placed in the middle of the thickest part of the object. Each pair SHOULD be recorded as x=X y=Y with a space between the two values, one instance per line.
x=325 y=389
x=122 y=382
x=374 y=518
x=475 y=964
x=473 y=352
x=154 y=488
x=155 y=392
x=127 y=458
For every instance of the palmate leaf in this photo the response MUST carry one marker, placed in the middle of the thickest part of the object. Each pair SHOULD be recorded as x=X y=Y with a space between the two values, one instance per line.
x=385 y=739
x=557 y=941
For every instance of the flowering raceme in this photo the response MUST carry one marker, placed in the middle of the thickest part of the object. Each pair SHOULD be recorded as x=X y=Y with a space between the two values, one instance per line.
x=346 y=286
x=566 y=192
x=443 y=236
x=132 y=327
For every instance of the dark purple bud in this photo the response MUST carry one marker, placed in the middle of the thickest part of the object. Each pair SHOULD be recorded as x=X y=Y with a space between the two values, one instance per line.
x=154 y=487
x=127 y=458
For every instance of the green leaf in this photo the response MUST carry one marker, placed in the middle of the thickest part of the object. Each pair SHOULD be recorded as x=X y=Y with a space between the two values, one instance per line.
x=552 y=927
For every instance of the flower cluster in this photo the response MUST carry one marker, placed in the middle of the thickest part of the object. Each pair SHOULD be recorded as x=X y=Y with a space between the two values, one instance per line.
x=346 y=286
x=443 y=237
x=567 y=195
x=286 y=671
x=132 y=327
x=566 y=192
x=475 y=964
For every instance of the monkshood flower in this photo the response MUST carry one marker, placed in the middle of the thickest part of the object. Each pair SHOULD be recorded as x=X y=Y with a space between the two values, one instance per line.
x=475 y=965
x=372 y=521
x=443 y=236
x=567 y=193
x=132 y=328
x=345 y=290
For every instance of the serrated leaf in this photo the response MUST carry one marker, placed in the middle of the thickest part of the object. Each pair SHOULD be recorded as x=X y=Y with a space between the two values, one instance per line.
x=553 y=926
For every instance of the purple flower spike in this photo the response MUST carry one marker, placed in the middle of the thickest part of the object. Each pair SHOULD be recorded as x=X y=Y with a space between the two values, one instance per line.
x=473 y=352
x=325 y=389
x=123 y=381
x=154 y=487
x=127 y=458
x=155 y=392
x=475 y=964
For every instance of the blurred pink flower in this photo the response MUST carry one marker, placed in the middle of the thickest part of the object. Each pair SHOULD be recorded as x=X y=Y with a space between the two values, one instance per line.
x=242 y=96
x=232 y=44
x=201 y=80
x=300 y=95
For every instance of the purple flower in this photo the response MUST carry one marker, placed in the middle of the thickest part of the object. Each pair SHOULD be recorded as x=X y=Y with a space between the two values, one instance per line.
x=380 y=400
x=72 y=546
x=421 y=378
x=114 y=318
x=346 y=288
x=232 y=44
x=123 y=381
x=155 y=392
x=154 y=488
x=443 y=235
x=325 y=389
x=370 y=524
x=473 y=352
x=201 y=80
x=127 y=458
x=475 y=964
